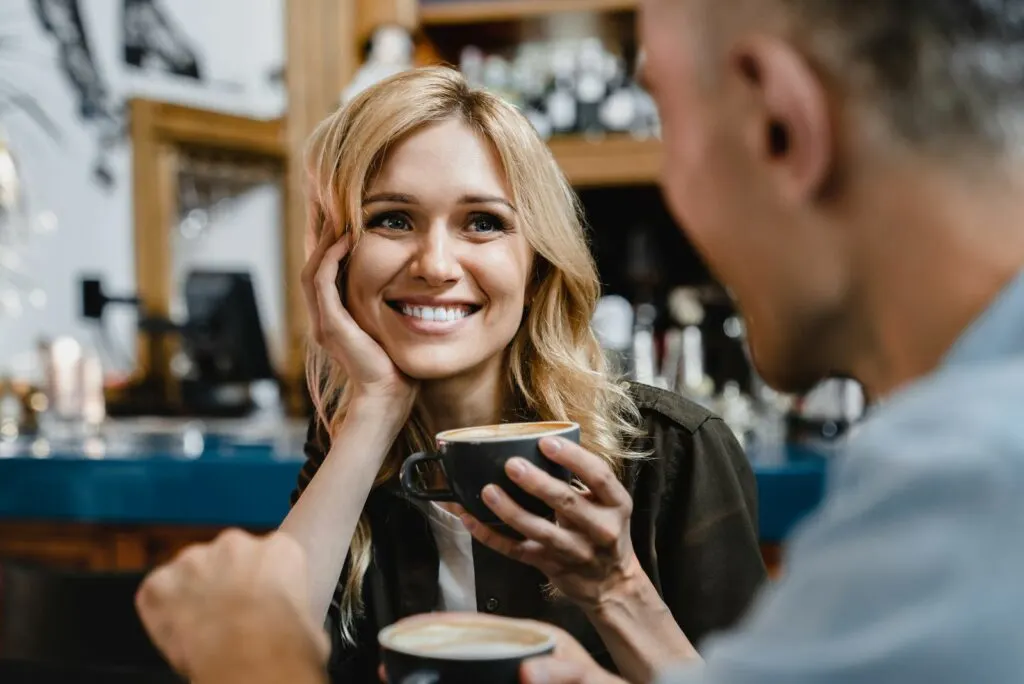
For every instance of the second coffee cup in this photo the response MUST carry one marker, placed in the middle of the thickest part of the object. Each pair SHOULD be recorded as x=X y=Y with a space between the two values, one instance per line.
x=475 y=457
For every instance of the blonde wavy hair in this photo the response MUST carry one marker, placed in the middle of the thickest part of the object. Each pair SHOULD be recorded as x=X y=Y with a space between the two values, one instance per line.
x=556 y=368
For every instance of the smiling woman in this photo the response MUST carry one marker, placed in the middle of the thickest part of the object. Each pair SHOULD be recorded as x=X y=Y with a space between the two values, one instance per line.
x=439 y=276
x=452 y=286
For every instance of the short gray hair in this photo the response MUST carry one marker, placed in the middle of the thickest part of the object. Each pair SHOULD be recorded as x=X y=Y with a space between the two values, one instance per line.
x=946 y=73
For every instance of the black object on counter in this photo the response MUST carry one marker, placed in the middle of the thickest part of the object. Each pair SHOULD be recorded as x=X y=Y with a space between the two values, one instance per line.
x=224 y=336
x=223 y=340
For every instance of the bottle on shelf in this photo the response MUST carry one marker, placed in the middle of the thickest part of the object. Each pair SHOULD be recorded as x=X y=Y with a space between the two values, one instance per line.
x=497 y=78
x=391 y=51
x=619 y=112
x=11 y=411
x=646 y=122
x=613 y=325
x=737 y=410
x=471 y=64
x=644 y=352
x=590 y=83
x=565 y=87
x=691 y=380
x=560 y=100
x=530 y=78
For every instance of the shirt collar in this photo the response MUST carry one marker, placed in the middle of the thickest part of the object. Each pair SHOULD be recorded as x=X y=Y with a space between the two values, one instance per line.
x=998 y=332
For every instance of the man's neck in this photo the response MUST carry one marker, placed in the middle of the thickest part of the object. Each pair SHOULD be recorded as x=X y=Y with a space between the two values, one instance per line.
x=944 y=253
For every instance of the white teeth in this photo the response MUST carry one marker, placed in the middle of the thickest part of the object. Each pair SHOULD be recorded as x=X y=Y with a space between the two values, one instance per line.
x=436 y=313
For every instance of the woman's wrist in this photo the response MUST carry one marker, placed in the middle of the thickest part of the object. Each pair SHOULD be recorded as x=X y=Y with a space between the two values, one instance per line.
x=389 y=407
x=385 y=413
x=623 y=595
x=638 y=627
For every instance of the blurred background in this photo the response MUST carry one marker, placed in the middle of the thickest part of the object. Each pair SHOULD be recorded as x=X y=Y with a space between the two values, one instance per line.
x=152 y=330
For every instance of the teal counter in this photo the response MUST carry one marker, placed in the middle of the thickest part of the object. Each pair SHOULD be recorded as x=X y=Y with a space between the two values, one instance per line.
x=199 y=476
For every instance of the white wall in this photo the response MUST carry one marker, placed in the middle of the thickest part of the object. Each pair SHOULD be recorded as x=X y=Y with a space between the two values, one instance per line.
x=239 y=42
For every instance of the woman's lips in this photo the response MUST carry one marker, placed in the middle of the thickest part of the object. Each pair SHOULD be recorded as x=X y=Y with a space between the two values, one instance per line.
x=433 y=319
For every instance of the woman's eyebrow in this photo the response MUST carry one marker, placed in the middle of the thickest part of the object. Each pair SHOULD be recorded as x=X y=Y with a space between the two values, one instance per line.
x=402 y=198
x=395 y=197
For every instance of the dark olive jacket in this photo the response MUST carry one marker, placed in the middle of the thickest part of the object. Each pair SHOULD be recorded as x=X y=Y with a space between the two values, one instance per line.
x=694 y=530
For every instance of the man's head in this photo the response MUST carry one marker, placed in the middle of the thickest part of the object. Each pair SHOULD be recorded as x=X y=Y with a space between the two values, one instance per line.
x=799 y=135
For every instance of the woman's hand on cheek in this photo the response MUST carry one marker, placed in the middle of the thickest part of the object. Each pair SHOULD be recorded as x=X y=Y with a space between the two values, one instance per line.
x=374 y=377
x=586 y=551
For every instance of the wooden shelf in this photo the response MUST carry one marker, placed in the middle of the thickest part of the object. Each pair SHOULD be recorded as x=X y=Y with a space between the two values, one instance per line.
x=482 y=11
x=191 y=126
x=611 y=161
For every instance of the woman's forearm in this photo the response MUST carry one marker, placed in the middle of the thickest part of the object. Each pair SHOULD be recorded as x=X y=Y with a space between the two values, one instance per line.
x=324 y=518
x=638 y=628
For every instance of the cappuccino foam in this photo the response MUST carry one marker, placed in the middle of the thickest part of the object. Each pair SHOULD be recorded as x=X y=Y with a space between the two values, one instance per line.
x=465 y=641
x=504 y=431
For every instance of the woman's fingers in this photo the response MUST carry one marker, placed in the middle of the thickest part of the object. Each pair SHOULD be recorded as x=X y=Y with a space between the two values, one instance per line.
x=328 y=316
x=563 y=541
x=593 y=471
x=309 y=284
x=524 y=552
x=326 y=282
x=602 y=525
x=324 y=240
x=568 y=502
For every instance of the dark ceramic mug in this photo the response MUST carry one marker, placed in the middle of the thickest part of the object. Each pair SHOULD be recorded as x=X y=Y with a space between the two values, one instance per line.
x=460 y=648
x=474 y=457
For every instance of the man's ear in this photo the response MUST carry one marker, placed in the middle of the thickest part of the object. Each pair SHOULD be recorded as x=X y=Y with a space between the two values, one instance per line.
x=790 y=130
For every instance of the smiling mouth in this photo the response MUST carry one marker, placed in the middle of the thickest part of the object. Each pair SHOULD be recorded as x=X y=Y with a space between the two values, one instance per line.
x=440 y=314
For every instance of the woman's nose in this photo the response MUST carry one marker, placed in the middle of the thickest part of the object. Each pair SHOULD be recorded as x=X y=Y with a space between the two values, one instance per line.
x=436 y=261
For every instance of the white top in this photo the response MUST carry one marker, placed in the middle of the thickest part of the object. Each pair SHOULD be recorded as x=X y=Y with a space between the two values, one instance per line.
x=455 y=577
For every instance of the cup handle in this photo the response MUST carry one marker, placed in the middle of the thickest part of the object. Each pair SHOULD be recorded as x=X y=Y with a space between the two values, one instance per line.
x=410 y=486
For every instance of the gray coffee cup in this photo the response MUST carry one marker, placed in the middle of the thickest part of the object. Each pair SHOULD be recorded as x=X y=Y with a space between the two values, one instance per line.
x=474 y=457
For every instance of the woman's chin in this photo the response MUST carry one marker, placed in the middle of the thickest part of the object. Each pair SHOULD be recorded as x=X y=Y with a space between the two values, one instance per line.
x=432 y=367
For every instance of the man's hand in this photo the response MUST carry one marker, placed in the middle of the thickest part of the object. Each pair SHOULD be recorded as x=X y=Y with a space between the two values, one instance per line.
x=235 y=610
x=552 y=670
x=569 y=664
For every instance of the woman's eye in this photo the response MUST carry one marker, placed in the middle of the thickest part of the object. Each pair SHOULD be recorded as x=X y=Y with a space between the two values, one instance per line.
x=487 y=223
x=389 y=221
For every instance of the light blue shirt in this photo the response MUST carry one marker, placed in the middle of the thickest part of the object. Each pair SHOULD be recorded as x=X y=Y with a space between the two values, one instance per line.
x=912 y=569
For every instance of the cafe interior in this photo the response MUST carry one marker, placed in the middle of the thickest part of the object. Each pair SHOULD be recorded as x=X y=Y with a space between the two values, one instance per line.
x=152 y=233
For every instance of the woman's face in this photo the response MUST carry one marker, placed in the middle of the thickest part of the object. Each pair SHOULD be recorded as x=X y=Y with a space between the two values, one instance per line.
x=440 y=274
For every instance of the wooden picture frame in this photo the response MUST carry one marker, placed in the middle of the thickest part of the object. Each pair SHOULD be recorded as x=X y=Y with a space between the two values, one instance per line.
x=162 y=135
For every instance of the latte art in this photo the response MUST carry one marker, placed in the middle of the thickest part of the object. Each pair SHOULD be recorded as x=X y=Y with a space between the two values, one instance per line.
x=504 y=431
x=465 y=640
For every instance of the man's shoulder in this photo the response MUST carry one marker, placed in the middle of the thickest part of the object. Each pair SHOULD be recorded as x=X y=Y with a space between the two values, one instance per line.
x=905 y=572
x=973 y=388
x=947 y=453
x=971 y=417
